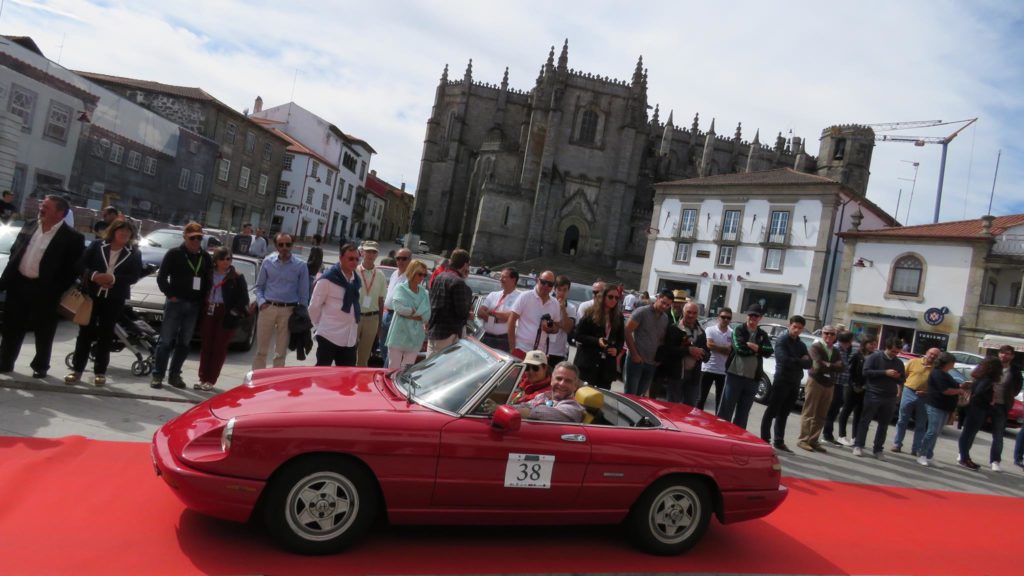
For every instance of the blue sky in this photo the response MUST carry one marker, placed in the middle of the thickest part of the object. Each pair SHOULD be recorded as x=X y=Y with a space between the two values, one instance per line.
x=372 y=68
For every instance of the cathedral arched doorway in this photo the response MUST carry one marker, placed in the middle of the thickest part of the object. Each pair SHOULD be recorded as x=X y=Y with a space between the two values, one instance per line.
x=571 y=240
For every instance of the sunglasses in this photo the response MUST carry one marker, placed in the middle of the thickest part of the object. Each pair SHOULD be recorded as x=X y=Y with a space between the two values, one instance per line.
x=284 y=244
x=596 y=292
x=726 y=317
x=401 y=258
x=753 y=315
x=225 y=259
x=547 y=283
x=828 y=333
x=420 y=274
x=533 y=367
x=197 y=237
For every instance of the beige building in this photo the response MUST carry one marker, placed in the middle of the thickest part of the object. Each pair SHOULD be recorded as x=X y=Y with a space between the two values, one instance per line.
x=953 y=285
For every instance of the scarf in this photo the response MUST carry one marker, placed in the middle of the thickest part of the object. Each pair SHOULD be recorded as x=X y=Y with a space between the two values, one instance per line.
x=351 y=300
x=527 y=390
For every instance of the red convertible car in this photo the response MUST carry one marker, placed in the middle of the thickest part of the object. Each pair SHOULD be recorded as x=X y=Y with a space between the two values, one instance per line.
x=321 y=453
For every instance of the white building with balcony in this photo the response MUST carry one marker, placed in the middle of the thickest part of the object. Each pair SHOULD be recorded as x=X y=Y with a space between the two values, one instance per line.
x=349 y=157
x=952 y=285
x=764 y=237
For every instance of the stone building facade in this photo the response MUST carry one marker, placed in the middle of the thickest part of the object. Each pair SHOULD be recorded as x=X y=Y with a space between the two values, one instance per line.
x=569 y=166
x=249 y=158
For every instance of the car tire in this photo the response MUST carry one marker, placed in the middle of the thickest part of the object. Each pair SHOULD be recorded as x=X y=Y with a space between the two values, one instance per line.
x=671 y=516
x=320 y=505
x=764 y=387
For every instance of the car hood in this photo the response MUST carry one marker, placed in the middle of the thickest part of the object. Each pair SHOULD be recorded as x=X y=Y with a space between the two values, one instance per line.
x=304 y=390
x=695 y=421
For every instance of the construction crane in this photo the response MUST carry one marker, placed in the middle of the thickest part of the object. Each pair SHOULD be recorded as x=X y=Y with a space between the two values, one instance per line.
x=921 y=141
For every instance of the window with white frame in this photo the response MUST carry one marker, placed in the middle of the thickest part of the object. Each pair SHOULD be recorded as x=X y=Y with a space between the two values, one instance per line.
x=229 y=133
x=184 y=178
x=349 y=161
x=58 y=122
x=116 y=152
x=323 y=202
x=197 y=183
x=362 y=169
x=134 y=160
x=22 y=104
x=731 y=225
x=314 y=169
x=243 y=178
x=682 y=252
x=224 y=170
x=330 y=176
x=773 y=259
x=688 y=223
x=779 y=227
x=282 y=189
x=288 y=158
x=250 y=142
x=309 y=196
x=348 y=196
x=261 y=189
x=149 y=166
x=726 y=255
x=906 y=276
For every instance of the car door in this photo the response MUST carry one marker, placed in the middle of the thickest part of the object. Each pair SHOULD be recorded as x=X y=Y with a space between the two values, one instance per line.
x=539 y=466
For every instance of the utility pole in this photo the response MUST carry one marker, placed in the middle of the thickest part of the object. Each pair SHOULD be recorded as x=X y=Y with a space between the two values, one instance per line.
x=913 y=185
x=994 y=176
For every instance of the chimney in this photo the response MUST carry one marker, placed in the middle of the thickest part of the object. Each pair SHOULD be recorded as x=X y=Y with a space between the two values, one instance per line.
x=986 y=224
x=257 y=107
x=373 y=173
x=403 y=186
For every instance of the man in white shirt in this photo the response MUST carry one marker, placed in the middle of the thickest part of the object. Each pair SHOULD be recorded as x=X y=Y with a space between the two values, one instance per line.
x=496 y=309
x=402 y=259
x=41 y=268
x=535 y=316
x=558 y=347
x=630 y=301
x=333 y=308
x=598 y=288
x=719 y=345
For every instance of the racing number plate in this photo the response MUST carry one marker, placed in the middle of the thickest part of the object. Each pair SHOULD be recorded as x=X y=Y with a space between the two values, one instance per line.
x=529 y=471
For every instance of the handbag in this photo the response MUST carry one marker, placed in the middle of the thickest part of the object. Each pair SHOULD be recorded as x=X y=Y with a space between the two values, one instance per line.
x=76 y=306
x=963 y=399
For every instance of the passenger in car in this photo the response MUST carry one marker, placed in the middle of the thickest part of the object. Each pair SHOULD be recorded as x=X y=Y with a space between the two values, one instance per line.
x=536 y=378
x=559 y=404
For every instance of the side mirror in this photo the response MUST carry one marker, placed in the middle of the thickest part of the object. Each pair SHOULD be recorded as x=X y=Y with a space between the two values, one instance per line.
x=148 y=269
x=506 y=419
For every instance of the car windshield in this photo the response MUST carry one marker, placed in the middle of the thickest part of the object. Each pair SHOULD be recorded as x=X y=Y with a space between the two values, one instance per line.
x=247 y=269
x=449 y=378
x=7 y=236
x=164 y=238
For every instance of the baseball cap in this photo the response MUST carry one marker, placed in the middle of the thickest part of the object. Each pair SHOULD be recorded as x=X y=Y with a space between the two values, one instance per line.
x=369 y=245
x=535 y=357
x=192 y=228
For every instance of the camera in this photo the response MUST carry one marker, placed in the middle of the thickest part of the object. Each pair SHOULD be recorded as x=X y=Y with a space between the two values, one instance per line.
x=547 y=320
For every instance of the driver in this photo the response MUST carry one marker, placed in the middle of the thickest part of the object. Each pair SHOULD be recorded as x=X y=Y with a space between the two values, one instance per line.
x=558 y=404
x=536 y=378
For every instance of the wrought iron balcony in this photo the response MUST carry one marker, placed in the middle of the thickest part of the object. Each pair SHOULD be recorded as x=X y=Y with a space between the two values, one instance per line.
x=771 y=237
x=734 y=236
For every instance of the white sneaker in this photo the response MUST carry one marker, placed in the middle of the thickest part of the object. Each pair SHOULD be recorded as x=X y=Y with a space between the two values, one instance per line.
x=845 y=441
x=923 y=461
x=996 y=467
x=858 y=451
x=957 y=458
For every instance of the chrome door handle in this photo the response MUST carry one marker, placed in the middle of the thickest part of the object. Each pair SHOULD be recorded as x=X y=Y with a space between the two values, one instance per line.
x=574 y=438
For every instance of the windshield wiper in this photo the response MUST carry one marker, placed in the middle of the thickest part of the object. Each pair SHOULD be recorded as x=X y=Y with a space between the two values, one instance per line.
x=410 y=384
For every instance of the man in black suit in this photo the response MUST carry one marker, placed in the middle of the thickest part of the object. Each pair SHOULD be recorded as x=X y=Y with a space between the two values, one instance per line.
x=42 y=267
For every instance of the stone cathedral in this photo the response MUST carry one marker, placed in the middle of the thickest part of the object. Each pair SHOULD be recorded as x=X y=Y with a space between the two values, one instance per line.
x=569 y=167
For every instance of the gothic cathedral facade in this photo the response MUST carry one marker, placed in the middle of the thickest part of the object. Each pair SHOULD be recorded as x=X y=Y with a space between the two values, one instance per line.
x=569 y=167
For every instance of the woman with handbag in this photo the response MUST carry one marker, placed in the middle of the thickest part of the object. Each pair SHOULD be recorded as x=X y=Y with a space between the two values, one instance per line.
x=599 y=338
x=225 y=306
x=109 y=268
x=982 y=386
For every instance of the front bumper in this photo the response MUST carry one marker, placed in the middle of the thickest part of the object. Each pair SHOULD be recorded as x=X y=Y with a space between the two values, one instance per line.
x=218 y=496
x=750 y=504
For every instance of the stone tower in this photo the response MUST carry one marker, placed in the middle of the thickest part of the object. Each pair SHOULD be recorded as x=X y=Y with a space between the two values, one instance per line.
x=844 y=155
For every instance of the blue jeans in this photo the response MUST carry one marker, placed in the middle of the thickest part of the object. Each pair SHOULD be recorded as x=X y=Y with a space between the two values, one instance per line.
x=936 y=420
x=176 y=332
x=998 y=426
x=911 y=404
x=737 y=399
x=974 y=418
x=638 y=376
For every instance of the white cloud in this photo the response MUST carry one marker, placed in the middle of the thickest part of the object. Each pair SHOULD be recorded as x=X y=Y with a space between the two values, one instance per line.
x=372 y=68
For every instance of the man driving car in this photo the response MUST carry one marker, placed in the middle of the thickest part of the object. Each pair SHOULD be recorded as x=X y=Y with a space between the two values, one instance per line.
x=558 y=404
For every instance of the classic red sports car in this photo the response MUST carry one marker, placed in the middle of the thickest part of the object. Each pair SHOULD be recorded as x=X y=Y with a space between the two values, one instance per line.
x=321 y=453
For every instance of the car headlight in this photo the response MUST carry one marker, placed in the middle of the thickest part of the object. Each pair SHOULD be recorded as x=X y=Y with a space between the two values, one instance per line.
x=247 y=380
x=227 y=434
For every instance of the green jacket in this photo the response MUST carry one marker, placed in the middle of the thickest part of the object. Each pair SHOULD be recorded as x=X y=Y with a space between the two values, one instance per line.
x=407 y=334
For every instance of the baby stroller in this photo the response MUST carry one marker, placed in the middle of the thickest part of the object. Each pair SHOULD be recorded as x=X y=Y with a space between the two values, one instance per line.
x=133 y=333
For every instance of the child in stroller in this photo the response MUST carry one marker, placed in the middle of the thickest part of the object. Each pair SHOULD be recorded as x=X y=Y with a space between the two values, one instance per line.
x=135 y=334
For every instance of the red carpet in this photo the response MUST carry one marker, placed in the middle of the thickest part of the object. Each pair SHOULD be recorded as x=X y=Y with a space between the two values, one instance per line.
x=76 y=506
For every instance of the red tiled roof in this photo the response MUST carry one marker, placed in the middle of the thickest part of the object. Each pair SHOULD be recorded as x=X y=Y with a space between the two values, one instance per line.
x=963 y=229
x=776 y=177
x=377 y=186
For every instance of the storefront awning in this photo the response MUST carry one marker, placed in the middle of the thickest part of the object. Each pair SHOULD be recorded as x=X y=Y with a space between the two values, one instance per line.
x=997 y=340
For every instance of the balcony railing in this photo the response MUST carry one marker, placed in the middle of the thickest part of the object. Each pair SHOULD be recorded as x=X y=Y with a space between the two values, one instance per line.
x=687 y=233
x=1009 y=245
x=734 y=236
x=771 y=237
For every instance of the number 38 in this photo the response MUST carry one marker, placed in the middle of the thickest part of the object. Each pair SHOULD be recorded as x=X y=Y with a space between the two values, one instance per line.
x=528 y=471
